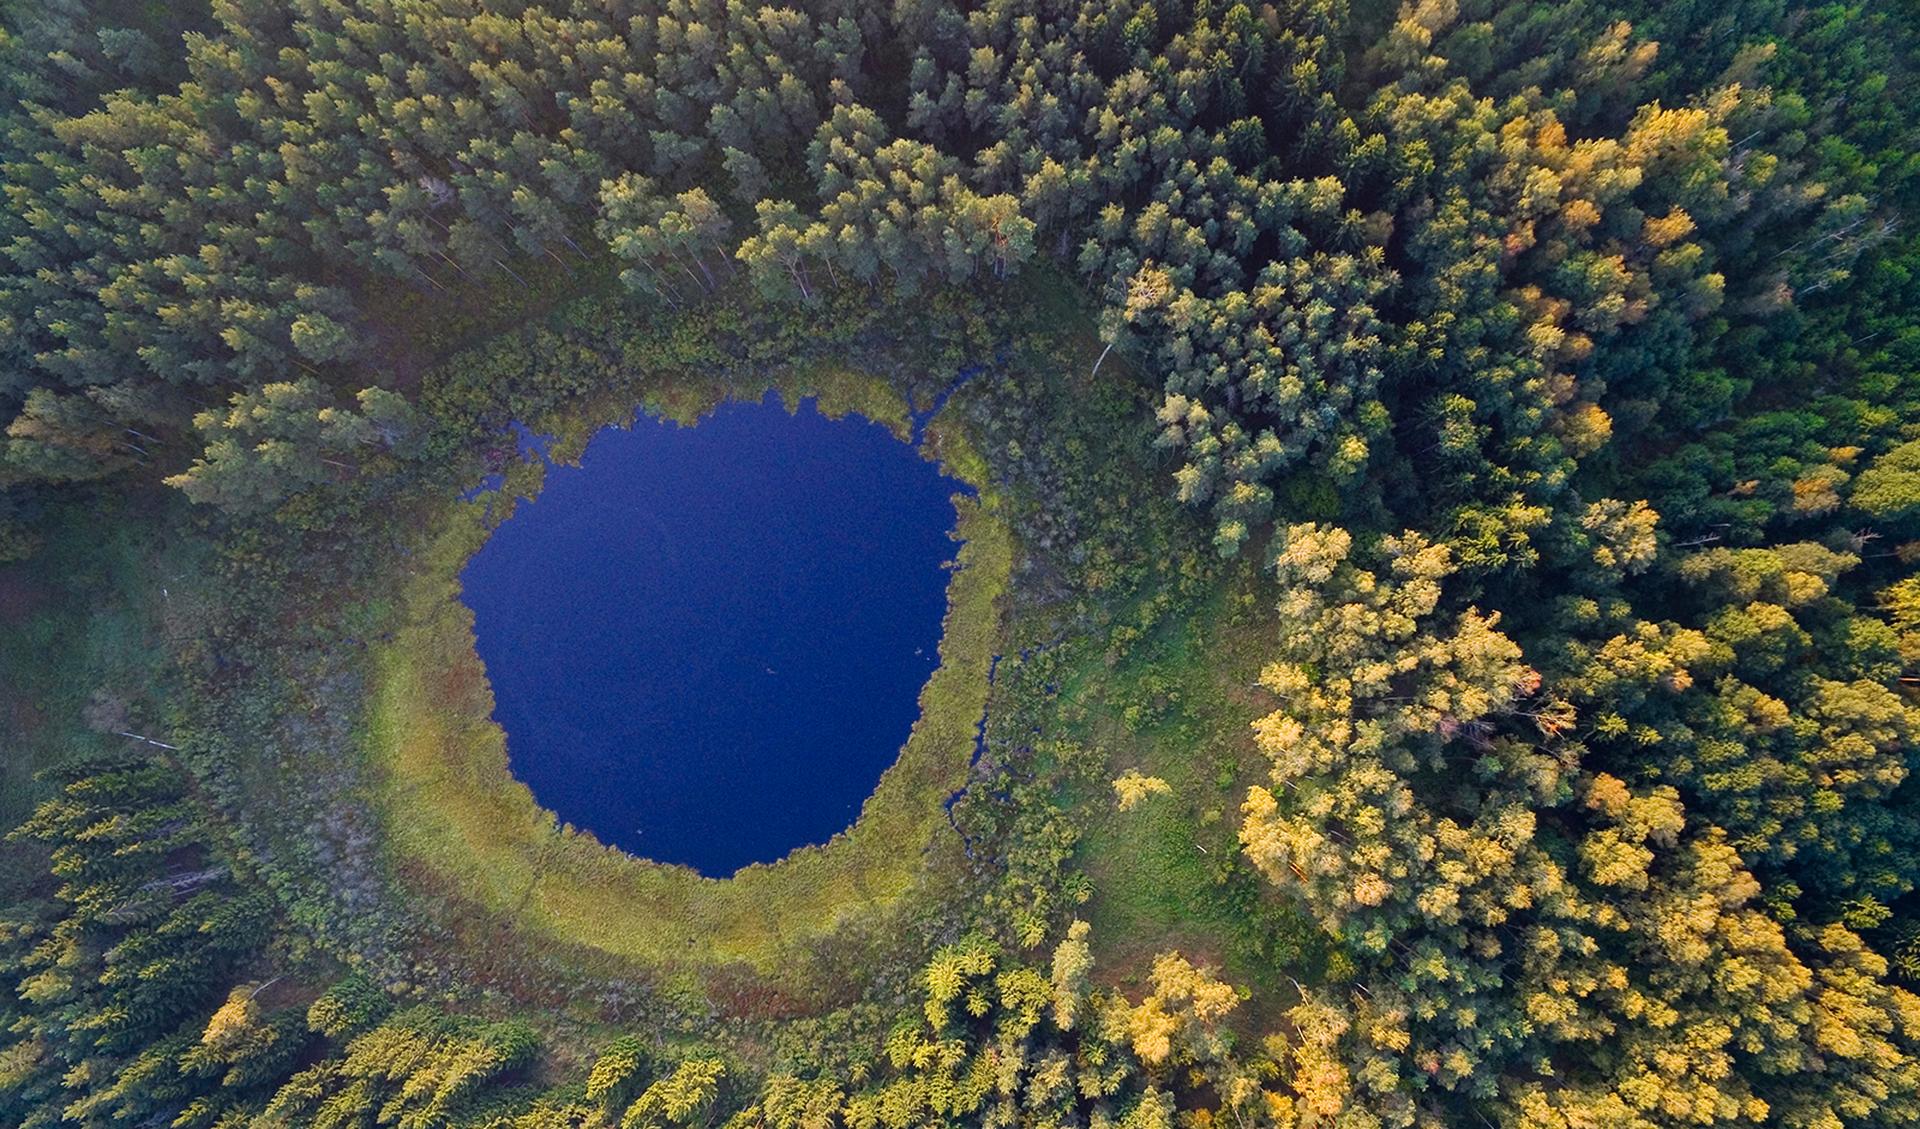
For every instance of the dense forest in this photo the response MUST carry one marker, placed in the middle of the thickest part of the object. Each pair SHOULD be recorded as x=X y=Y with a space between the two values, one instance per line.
x=1488 y=432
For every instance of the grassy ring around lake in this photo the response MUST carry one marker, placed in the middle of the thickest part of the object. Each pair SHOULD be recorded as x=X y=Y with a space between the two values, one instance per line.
x=454 y=811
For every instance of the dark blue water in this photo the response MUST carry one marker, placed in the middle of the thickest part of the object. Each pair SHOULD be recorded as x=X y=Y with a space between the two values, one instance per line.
x=706 y=644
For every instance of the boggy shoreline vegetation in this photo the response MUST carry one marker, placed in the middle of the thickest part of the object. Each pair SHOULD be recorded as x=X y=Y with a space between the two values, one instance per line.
x=453 y=807
x=1462 y=480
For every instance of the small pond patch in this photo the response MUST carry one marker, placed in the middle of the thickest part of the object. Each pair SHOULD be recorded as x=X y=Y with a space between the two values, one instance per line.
x=706 y=644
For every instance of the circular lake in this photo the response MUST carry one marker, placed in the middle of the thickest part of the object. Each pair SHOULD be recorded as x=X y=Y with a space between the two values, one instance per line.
x=706 y=644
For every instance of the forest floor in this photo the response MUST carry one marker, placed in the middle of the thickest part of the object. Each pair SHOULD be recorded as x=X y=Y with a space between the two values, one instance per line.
x=82 y=627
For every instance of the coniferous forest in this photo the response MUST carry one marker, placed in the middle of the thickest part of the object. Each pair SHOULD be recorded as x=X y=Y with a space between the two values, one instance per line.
x=1433 y=636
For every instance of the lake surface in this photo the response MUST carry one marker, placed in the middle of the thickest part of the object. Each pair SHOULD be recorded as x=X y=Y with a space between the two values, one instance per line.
x=707 y=643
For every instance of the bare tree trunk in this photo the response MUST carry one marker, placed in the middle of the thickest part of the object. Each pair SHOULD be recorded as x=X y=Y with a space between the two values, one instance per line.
x=455 y=264
x=1101 y=361
x=660 y=284
x=502 y=264
x=688 y=271
x=190 y=881
x=712 y=282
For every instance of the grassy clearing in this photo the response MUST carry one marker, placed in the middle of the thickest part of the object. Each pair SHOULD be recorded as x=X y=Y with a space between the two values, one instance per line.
x=1168 y=874
x=452 y=806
